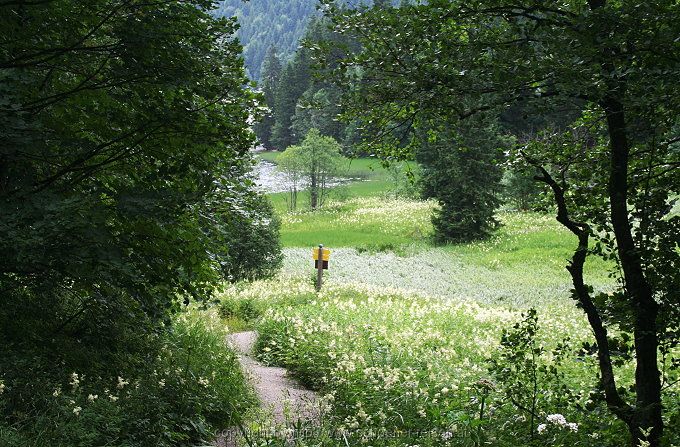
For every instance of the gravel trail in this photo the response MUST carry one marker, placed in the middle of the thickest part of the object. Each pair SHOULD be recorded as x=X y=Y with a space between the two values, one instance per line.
x=287 y=400
x=284 y=401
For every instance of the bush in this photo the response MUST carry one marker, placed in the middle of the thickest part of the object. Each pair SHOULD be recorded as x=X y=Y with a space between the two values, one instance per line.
x=246 y=309
x=181 y=396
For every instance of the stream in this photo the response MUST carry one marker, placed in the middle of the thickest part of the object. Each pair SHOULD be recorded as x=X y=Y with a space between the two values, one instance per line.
x=269 y=180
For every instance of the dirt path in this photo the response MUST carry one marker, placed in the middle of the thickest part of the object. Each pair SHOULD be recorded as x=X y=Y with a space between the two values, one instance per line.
x=284 y=401
x=285 y=398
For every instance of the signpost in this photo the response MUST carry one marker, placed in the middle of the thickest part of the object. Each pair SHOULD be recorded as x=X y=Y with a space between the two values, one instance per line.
x=321 y=257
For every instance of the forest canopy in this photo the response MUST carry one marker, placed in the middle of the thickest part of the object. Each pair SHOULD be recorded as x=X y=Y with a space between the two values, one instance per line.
x=264 y=23
x=125 y=186
x=612 y=171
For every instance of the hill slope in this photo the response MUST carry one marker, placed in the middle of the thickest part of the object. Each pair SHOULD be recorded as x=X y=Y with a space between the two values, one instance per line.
x=265 y=23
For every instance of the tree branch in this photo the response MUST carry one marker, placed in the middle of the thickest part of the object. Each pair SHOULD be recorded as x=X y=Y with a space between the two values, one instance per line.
x=582 y=292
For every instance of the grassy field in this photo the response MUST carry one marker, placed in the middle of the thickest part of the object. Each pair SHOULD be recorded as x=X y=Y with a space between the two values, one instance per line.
x=361 y=222
x=391 y=362
x=402 y=340
x=367 y=168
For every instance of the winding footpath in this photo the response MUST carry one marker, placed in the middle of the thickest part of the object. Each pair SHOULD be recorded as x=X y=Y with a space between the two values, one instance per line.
x=283 y=399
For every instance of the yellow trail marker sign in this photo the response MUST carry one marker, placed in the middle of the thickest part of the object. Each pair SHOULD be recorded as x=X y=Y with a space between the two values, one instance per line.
x=326 y=254
x=321 y=257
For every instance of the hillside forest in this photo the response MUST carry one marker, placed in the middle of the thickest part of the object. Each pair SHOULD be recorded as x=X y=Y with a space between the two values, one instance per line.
x=264 y=23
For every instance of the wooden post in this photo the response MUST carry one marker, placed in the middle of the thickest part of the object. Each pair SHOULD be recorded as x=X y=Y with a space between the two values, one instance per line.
x=319 y=269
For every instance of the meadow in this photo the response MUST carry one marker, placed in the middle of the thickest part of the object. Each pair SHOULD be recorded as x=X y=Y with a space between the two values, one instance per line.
x=414 y=344
x=369 y=179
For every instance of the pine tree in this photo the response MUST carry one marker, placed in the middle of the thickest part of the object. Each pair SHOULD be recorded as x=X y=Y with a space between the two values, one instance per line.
x=265 y=23
x=295 y=80
x=461 y=170
x=270 y=79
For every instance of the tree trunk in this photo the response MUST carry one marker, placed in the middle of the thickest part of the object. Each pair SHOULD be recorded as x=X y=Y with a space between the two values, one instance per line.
x=314 y=191
x=648 y=409
x=581 y=293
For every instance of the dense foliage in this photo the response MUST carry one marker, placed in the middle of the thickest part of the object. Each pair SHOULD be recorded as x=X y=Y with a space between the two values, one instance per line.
x=315 y=162
x=298 y=101
x=173 y=389
x=124 y=188
x=461 y=169
x=614 y=176
x=267 y=23
x=264 y=23
x=272 y=69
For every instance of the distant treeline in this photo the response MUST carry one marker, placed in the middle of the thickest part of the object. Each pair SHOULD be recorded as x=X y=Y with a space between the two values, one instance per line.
x=267 y=22
x=270 y=22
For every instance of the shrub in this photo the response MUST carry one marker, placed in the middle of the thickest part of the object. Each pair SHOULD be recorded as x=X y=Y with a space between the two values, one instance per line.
x=246 y=309
x=193 y=387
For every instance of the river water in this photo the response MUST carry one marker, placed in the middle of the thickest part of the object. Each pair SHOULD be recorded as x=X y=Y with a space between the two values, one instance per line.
x=269 y=180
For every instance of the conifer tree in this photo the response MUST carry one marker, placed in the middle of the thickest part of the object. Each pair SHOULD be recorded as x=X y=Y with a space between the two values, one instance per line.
x=294 y=82
x=270 y=79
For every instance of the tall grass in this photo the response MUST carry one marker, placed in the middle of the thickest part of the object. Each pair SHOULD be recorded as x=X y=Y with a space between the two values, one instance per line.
x=400 y=368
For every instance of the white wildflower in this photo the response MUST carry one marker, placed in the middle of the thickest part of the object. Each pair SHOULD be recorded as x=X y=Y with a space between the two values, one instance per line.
x=75 y=381
x=556 y=419
x=121 y=383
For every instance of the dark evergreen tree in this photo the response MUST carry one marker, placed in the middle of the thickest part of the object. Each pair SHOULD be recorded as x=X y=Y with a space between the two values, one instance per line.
x=319 y=106
x=265 y=23
x=295 y=80
x=461 y=170
x=382 y=4
x=318 y=109
x=270 y=79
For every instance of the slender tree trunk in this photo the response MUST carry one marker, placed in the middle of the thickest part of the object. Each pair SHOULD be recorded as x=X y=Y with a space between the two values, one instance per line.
x=647 y=412
x=581 y=293
x=314 y=190
x=648 y=409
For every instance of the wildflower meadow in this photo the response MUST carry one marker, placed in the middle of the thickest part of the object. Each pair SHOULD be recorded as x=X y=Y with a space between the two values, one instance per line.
x=478 y=344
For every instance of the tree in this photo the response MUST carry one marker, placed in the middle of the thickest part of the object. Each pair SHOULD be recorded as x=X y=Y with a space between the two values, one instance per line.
x=457 y=58
x=265 y=23
x=305 y=102
x=270 y=79
x=317 y=109
x=295 y=80
x=461 y=169
x=520 y=189
x=290 y=163
x=124 y=184
x=317 y=159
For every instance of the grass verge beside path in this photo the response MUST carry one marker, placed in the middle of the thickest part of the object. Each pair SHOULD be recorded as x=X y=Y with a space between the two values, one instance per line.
x=397 y=368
